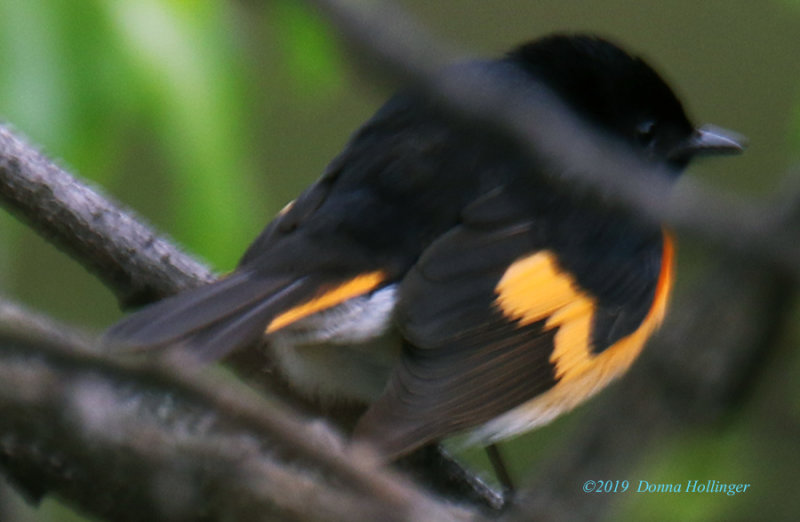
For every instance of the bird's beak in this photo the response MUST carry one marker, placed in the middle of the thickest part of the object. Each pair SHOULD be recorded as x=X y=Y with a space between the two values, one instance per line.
x=708 y=140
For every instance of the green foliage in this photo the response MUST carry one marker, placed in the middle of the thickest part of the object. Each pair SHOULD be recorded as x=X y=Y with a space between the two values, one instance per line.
x=119 y=87
x=156 y=102
x=310 y=58
x=183 y=66
x=709 y=456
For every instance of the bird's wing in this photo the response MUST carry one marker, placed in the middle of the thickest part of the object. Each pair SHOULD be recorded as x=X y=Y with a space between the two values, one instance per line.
x=356 y=229
x=290 y=272
x=494 y=321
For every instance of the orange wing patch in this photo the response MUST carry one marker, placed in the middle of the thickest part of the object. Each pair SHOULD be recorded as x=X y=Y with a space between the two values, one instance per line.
x=535 y=288
x=353 y=288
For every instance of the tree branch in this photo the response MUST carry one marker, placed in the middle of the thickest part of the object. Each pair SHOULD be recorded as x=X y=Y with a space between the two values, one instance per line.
x=170 y=446
x=138 y=265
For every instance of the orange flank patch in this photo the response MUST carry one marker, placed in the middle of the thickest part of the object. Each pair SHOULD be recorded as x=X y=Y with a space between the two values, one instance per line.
x=535 y=288
x=665 y=280
x=354 y=287
x=590 y=372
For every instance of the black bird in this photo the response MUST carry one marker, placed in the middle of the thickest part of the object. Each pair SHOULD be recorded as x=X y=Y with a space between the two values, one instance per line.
x=436 y=271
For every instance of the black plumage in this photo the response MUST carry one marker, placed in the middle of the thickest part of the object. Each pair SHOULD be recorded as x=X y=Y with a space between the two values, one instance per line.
x=440 y=212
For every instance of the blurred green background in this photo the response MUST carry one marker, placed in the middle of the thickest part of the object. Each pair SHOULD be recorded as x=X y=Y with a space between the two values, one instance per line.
x=207 y=116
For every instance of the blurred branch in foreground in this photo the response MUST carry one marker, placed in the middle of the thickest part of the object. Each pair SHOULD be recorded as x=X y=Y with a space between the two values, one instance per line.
x=535 y=120
x=147 y=443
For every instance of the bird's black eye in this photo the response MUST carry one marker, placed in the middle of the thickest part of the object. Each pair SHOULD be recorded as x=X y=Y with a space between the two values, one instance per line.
x=646 y=132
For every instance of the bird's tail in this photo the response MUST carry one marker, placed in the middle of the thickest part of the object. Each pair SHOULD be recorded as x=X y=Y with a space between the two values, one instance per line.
x=213 y=320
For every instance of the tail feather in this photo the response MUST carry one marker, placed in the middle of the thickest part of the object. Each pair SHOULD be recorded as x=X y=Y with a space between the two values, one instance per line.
x=213 y=319
x=241 y=329
x=392 y=435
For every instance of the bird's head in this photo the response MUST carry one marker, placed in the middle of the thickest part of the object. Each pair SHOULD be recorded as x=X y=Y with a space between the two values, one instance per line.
x=623 y=96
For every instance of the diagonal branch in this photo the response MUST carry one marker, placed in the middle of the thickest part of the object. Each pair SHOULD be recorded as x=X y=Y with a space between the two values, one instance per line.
x=138 y=265
x=531 y=117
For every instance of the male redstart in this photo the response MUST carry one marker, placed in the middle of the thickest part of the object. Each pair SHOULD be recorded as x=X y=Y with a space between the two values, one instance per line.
x=441 y=275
